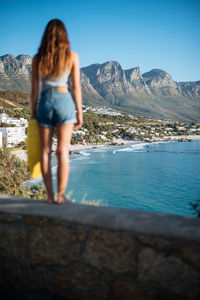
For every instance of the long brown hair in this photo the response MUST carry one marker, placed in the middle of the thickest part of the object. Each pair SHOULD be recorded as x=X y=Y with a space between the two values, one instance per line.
x=54 y=50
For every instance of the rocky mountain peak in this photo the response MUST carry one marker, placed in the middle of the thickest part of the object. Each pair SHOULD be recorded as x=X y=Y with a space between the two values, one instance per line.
x=109 y=71
x=24 y=59
x=111 y=63
x=161 y=83
x=7 y=58
x=133 y=74
x=155 y=74
x=16 y=65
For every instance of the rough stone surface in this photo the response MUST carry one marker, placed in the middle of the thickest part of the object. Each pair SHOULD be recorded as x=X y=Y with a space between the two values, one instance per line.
x=169 y=273
x=192 y=255
x=35 y=220
x=52 y=245
x=10 y=218
x=119 y=219
x=127 y=290
x=79 y=252
x=12 y=242
x=81 y=233
x=156 y=242
x=113 y=251
x=23 y=278
x=80 y=284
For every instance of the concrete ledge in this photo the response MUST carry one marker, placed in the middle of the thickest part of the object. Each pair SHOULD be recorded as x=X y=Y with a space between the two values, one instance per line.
x=86 y=252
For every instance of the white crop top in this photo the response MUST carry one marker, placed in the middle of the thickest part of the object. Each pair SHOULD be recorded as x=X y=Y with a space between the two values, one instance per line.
x=55 y=82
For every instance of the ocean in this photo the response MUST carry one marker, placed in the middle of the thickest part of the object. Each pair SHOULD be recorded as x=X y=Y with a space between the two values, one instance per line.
x=159 y=177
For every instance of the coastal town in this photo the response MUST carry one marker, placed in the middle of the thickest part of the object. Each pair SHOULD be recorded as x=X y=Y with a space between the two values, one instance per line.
x=104 y=125
x=138 y=128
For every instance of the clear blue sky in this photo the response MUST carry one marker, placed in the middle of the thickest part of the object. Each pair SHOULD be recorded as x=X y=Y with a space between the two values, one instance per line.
x=150 y=34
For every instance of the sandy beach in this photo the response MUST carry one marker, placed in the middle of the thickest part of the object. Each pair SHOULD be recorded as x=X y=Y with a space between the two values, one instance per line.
x=21 y=154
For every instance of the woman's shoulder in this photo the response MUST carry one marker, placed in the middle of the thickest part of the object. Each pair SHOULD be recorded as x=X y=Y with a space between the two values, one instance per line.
x=73 y=61
x=74 y=56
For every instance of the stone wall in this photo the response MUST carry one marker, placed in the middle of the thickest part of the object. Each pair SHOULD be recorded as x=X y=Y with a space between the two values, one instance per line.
x=77 y=251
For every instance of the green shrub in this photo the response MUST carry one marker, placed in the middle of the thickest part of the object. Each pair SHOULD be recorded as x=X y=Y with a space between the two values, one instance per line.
x=13 y=173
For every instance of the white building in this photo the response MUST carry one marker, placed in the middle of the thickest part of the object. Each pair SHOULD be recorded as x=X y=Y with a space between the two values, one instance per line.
x=79 y=132
x=142 y=133
x=102 y=110
x=12 y=136
x=192 y=130
x=169 y=129
x=4 y=118
x=101 y=136
x=181 y=128
x=132 y=130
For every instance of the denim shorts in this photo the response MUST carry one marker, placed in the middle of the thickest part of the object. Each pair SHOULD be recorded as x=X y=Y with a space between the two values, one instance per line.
x=55 y=108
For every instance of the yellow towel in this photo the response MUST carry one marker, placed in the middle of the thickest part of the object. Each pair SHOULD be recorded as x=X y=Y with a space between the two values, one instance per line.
x=33 y=148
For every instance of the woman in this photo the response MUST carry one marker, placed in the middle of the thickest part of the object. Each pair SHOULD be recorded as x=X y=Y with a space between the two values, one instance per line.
x=54 y=63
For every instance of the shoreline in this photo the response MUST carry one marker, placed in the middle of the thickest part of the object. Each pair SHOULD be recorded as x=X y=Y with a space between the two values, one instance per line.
x=118 y=142
x=21 y=154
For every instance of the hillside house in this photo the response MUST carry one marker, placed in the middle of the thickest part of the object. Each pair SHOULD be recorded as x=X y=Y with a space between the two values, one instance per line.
x=12 y=136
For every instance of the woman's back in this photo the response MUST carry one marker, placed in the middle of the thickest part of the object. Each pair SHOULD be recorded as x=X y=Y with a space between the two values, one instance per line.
x=50 y=82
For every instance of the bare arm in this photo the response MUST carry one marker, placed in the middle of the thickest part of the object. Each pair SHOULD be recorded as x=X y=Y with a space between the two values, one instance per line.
x=34 y=87
x=76 y=90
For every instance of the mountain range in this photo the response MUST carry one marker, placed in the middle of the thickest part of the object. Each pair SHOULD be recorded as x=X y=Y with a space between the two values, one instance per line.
x=151 y=94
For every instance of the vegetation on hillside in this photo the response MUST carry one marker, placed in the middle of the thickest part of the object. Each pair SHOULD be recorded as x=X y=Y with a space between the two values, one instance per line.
x=16 y=97
x=2 y=124
x=15 y=104
x=13 y=173
x=24 y=113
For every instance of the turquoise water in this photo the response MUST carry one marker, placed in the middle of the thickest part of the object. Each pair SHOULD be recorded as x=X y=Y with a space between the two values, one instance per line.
x=162 y=177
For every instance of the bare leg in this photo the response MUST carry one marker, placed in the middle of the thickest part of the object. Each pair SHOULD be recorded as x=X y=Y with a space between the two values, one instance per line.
x=64 y=135
x=46 y=142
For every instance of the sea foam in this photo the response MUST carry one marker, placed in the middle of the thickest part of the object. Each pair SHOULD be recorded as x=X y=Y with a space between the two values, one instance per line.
x=133 y=148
